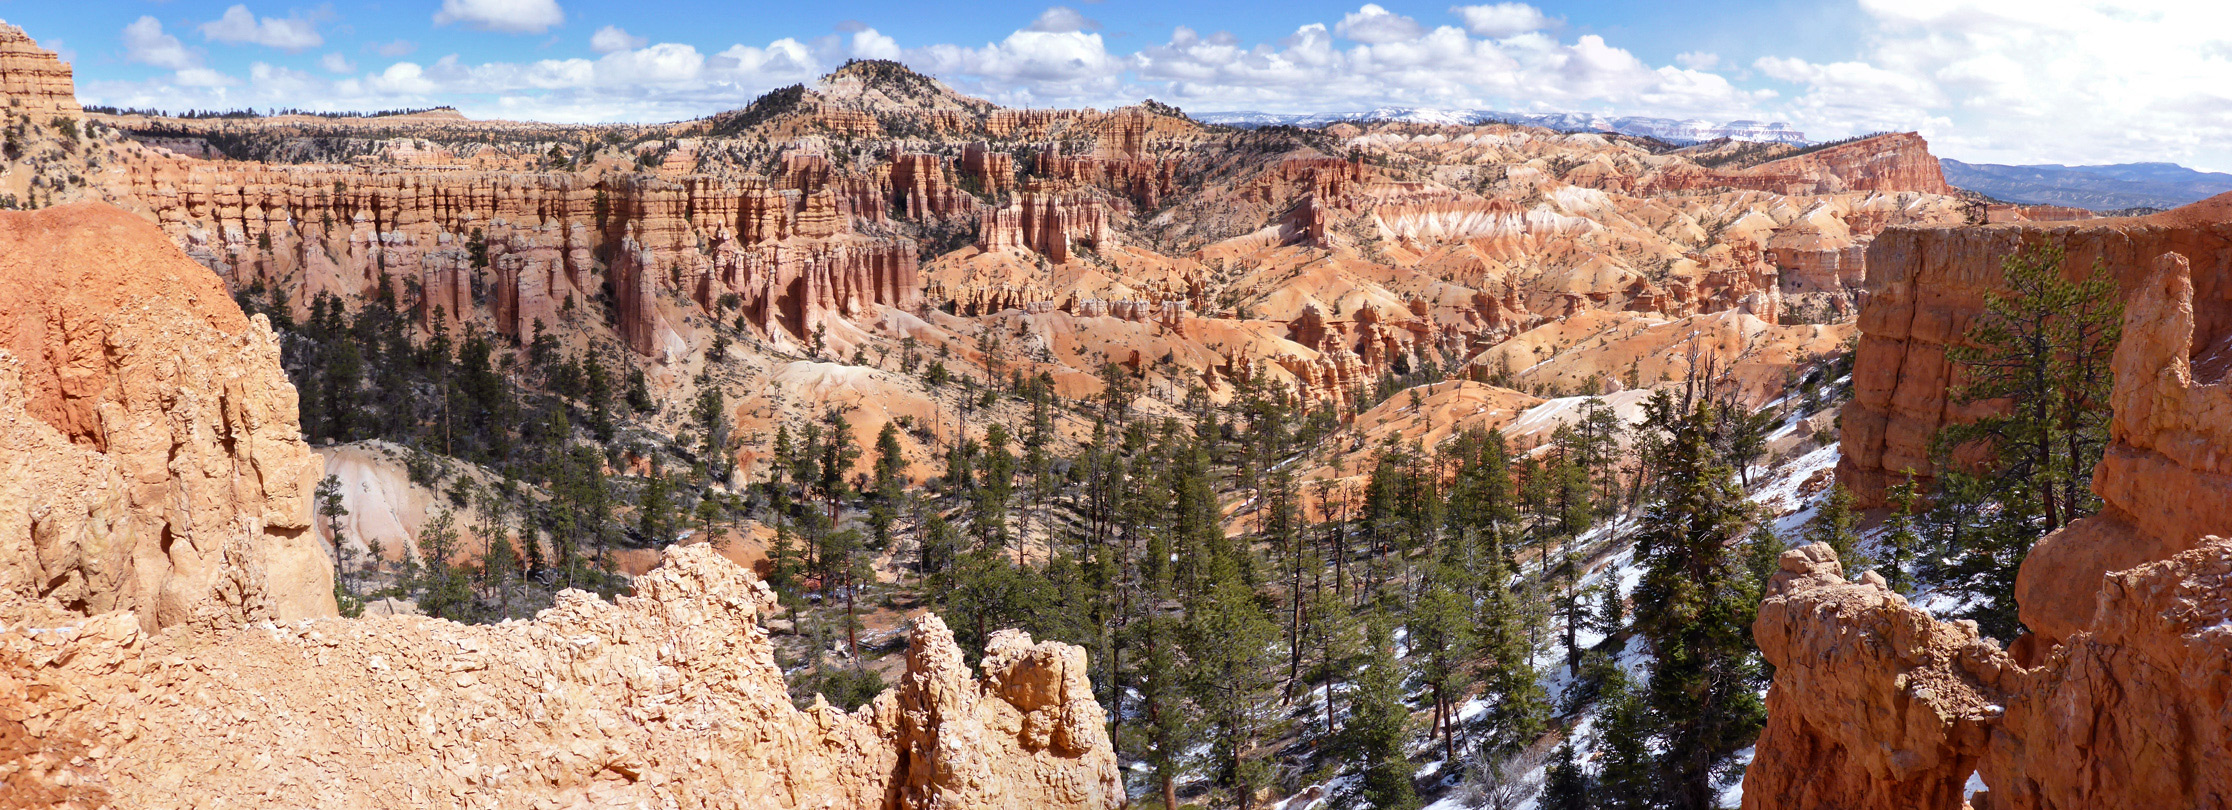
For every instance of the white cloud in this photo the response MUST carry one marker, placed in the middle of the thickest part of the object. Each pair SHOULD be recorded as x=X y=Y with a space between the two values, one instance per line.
x=336 y=63
x=869 y=43
x=145 y=43
x=1374 y=25
x=1697 y=60
x=611 y=38
x=2052 y=81
x=203 y=77
x=1063 y=20
x=1501 y=20
x=507 y=16
x=240 y=27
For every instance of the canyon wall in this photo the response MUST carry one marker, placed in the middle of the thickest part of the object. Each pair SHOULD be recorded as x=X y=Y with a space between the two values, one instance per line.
x=1925 y=285
x=150 y=454
x=667 y=698
x=526 y=246
x=2117 y=696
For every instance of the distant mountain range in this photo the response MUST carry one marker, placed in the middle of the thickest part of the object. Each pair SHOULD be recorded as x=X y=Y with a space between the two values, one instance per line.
x=1665 y=129
x=2098 y=188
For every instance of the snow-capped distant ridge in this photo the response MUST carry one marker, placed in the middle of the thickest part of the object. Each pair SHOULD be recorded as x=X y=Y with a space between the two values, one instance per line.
x=1665 y=129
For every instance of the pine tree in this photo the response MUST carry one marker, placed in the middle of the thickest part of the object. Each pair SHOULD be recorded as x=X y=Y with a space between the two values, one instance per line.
x=1900 y=537
x=1565 y=786
x=1377 y=726
x=1521 y=708
x=2044 y=347
x=1627 y=773
x=1695 y=607
x=1441 y=641
x=1836 y=525
x=444 y=591
x=1229 y=646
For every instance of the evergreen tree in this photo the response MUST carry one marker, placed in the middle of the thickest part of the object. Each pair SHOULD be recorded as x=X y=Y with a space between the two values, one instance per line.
x=444 y=590
x=1441 y=641
x=1377 y=722
x=1836 y=525
x=1565 y=786
x=1627 y=773
x=2043 y=347
x=1229 y=649
x=1900 y=537
x=1695 y=608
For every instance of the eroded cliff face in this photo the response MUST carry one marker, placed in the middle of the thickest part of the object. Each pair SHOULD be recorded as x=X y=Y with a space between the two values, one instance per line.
x=1874 y=704
x=153 y=458
x=668 y=698
x=1925 y=285
x=31 y=78
x=2117 y=697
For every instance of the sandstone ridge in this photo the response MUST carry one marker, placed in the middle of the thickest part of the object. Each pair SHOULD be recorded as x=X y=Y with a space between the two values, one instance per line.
x=668 y=698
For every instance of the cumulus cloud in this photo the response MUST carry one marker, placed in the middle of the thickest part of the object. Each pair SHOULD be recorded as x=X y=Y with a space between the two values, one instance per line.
x=507 y=16
x=1063 y=20
x=2014 y=80
x=2050 y=81
x=1501 y=20
x=611 y=38
x=872 y=44
x=239 y=26
x=1374 y=25
x=145 y=43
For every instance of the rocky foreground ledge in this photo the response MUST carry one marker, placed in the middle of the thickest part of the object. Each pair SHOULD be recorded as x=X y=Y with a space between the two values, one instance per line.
x=1877 y=705
x=669 y=698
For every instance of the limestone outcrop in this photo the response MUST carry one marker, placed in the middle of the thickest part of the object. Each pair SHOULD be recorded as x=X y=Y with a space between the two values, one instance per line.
x=152 y=456
x=32 y=79
x=667 y=698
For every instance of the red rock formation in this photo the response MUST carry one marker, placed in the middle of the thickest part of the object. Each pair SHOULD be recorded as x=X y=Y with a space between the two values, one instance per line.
x=1896 y=721
x=994 y=171
x=1926 y=284
x=1877 y=705
x=150 y=456
x=2129 y=712
x=32 y=79
x=1898 y=161
x=2116 y=697
x=1048 y=224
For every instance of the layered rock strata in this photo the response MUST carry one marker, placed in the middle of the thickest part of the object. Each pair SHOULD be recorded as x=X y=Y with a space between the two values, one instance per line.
x=150 y=455
x=32 y=79
x=667 y=698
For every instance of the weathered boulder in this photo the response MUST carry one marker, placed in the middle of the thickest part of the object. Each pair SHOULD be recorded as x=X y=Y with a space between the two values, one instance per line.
x=1874 y=703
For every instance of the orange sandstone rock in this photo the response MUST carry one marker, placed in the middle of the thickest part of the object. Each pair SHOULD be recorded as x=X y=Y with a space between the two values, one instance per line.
x=154 y=460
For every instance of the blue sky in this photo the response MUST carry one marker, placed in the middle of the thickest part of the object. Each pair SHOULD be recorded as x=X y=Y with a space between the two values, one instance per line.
x=2068 y=81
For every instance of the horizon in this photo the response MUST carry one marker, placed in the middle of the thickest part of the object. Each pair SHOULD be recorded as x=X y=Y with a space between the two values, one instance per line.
x=2105 y=83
